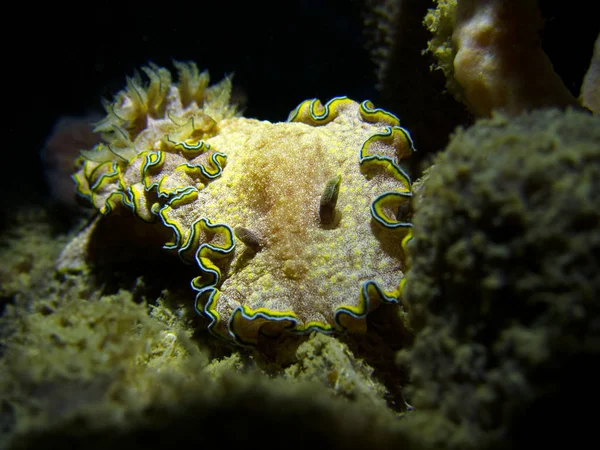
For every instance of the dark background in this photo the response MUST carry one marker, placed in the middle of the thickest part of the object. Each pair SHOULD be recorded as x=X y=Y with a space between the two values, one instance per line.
x=61 y=59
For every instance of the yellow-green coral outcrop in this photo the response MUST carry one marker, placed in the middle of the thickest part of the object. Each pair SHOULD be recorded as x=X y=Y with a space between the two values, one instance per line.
x=503 y=286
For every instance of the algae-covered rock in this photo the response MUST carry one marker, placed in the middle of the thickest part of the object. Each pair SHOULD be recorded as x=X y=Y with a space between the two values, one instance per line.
x=72 y=354
x=107 y=371
x=328 y=361
x=241 y=412
x=503 y=288
x=86 y=363
x=27 y=251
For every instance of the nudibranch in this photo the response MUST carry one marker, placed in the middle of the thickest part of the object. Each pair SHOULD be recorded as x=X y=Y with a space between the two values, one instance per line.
x=295 y=226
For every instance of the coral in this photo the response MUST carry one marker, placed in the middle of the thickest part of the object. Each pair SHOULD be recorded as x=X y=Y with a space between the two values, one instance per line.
x=440 y=22
x=503 y=285
x=380 y=27
x=494 y=56
x=396 y=36
x=294 y=226
x=95 y=346
x=327 y=361
x=61 y=346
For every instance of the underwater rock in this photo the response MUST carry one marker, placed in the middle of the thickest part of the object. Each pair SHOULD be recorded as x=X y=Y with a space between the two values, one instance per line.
x=504 y=281
x=308 y=253
x=235 y=410
x=84 y=368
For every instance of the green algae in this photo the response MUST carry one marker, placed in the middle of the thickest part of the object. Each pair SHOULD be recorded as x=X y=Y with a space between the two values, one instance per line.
x=90 y=362
x=503 y=285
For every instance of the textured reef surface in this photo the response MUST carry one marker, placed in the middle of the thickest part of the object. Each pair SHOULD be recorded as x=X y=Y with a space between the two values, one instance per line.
x=294 y=226
x=88 y=365
x=504 y=281
x=255 y=283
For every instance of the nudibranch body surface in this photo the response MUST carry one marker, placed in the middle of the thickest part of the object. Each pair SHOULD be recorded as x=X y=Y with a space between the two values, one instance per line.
x=294 y=226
